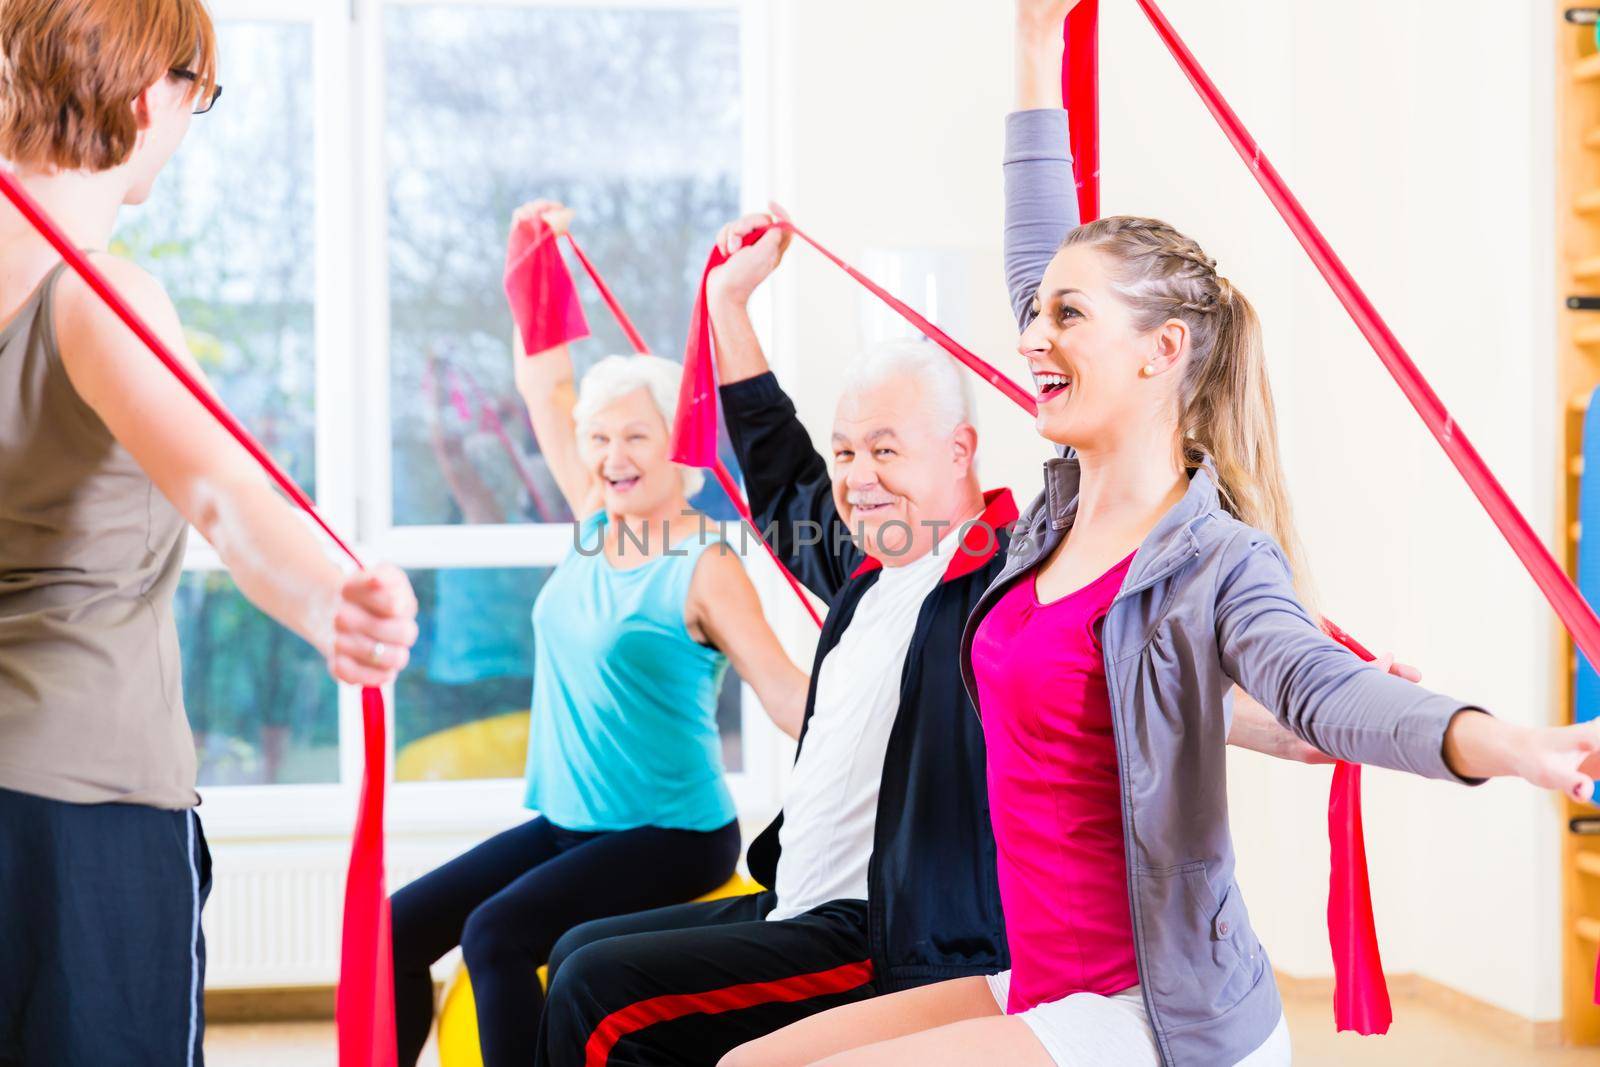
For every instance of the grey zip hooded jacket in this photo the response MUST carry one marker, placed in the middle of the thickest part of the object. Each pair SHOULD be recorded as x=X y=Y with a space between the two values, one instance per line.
x=1208 y=602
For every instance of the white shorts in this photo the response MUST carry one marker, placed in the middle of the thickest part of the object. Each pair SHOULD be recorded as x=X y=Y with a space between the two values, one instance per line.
x=1088 y=1030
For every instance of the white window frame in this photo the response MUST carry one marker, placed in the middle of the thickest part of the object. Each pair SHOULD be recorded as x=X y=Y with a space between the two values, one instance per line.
x=313 y=809
x=353 y=454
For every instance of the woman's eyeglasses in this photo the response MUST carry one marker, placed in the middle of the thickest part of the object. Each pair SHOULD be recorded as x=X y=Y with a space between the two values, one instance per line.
x=206 y=101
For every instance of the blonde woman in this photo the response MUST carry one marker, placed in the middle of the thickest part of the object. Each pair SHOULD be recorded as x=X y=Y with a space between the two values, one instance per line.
x=633 y=633
x=1158 y=569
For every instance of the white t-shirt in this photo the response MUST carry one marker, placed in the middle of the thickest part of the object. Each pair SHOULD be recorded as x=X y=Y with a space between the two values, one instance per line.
x=830 y=809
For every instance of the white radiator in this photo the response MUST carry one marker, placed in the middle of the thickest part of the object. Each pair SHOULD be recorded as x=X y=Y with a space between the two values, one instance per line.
x=273 y=919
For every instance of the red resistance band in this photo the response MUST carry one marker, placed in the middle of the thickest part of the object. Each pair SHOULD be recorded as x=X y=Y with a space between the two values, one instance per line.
x=1080 y=85
x=1361 y=997
x=694 y=438
x=544 y=305
x=544 y=302
x=1575 y=613
x=365 y=999
x=1360 y=990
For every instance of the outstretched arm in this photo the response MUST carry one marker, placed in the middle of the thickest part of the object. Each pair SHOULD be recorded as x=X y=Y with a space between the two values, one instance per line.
x=549 y=388
x=274 y=555
x=1561 y=758
x=1352 y=710
x=1254 y=728
x=471 y=493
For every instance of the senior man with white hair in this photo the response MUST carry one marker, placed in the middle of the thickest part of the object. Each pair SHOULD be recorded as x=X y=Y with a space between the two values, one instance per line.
x=881 y=868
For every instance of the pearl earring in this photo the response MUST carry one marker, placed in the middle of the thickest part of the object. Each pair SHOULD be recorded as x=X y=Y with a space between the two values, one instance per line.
x=1147 y=370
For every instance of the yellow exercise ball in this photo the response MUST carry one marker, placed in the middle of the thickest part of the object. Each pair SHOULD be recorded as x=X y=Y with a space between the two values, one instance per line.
x=458 y=1017
x=495 y=747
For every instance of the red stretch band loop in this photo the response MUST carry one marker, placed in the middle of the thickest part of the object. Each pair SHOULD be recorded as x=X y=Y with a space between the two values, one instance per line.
x=1080 y=89
x=364 y=1001
x=539 y=288
x=983 y=369
x=1361 y=994
x=1360 y=991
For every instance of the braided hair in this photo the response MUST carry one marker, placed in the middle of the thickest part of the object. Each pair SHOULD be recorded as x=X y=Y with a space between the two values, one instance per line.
x=1225 y=399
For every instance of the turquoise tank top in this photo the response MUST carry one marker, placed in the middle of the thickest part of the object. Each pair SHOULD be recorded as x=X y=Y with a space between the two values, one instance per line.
x=624 y=714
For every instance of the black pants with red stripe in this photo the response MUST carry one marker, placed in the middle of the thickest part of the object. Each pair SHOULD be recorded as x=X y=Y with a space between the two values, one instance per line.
x=682 y=986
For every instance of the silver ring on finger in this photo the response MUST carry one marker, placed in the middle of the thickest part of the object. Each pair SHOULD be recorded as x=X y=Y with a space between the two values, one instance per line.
x=380 y=654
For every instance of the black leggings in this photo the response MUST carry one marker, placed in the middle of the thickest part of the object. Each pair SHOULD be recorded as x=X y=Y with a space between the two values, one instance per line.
x=506 y=902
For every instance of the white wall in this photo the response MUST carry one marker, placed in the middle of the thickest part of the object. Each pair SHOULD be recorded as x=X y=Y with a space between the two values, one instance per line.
x=1421 y=144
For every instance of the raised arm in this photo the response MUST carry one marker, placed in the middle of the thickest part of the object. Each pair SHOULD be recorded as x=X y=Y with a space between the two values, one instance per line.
x=274 y=555
x=728 y=293
x=1041 y=210
x=791 y=494
x=549 y=388
x=1041 y=198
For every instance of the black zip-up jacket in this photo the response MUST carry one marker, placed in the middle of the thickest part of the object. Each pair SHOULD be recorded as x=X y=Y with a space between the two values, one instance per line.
x=933 y=901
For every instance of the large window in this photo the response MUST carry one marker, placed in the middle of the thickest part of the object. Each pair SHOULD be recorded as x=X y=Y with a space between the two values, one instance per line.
x=630 y=117
x=333 y=234
x=230 y=233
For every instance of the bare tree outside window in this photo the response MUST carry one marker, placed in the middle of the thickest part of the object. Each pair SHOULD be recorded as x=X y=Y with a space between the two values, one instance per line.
x=631 y=117
x=634 y=119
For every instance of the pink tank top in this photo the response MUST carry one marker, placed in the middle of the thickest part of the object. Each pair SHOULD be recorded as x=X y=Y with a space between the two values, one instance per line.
x=1054 y=794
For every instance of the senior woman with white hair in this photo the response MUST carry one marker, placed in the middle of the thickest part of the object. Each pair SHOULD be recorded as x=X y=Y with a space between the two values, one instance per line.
x=633 y=633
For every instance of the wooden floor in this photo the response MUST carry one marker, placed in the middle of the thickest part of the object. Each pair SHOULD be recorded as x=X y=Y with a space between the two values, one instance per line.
x=1422 y=1036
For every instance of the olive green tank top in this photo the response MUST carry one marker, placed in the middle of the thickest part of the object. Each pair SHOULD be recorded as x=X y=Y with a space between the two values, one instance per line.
x=91 y=688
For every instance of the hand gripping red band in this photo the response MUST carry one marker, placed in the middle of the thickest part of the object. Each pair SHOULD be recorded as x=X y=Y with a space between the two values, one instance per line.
x=718 y=470
x=1575 y=613
x=365 y=999
x=543 y=301
x=694 y=438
